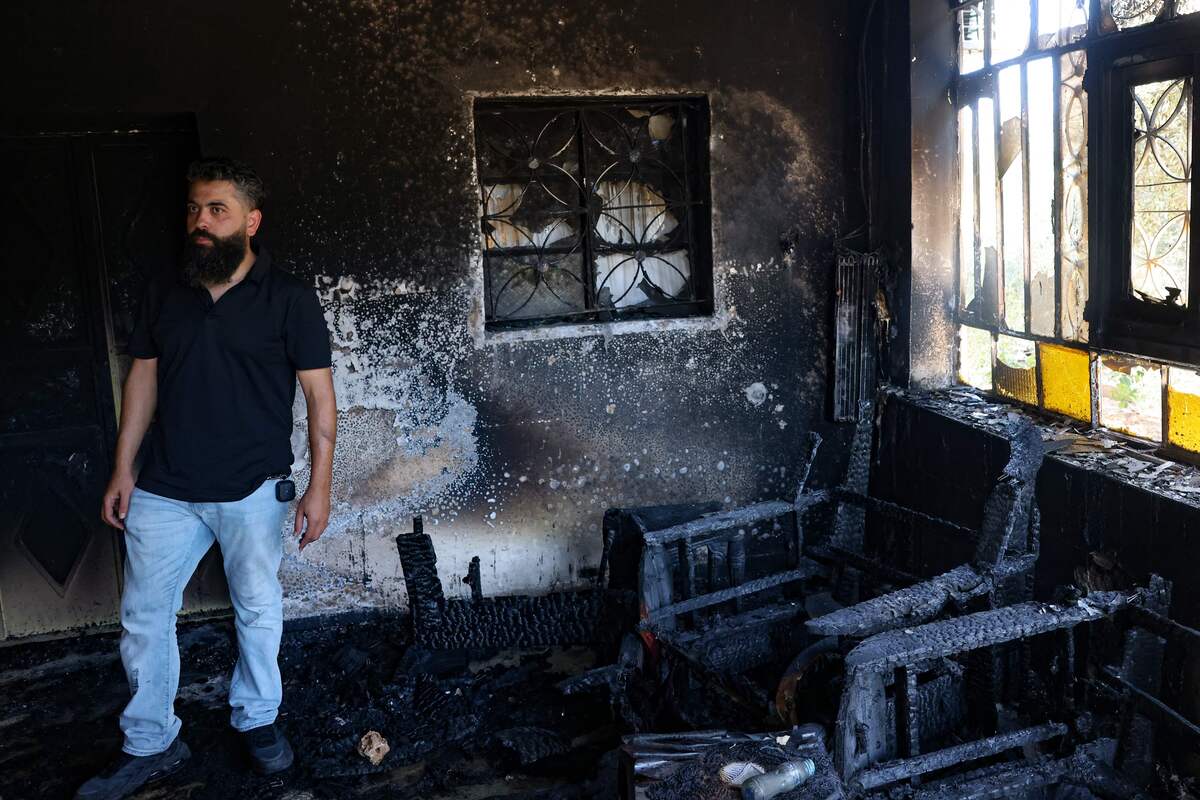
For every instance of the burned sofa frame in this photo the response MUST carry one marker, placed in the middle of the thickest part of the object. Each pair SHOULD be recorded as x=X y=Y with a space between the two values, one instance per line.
x=702 y=605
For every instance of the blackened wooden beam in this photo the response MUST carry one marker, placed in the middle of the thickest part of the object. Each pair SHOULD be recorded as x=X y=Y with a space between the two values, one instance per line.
x=907 y=722
x=474 y=580
x=1164 y=626
x=419 y=563
x=736 y=558
x=886 y=651
x=906 y=607
x=807 y=570
x=718 y=522
x=860 y=562
x=904 y=769
x=1152 y=707
x=1081 y=769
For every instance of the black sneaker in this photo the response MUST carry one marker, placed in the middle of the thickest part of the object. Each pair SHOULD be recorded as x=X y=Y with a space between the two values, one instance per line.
x=269 y=750
x=125 y=775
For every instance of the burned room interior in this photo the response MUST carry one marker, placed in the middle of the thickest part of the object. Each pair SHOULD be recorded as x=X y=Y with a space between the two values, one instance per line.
x=781 y=398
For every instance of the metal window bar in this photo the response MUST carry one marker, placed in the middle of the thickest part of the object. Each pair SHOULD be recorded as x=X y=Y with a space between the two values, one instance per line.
x=586 y=187
x=1031 y=41
x=1094 y=355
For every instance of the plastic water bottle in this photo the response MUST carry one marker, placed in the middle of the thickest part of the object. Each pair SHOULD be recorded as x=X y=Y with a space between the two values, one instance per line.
x=782 y=779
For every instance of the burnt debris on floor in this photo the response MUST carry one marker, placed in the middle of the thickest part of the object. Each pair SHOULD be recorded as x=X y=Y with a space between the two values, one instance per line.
x=579 y=617
x=478 y=722
x=806 y=648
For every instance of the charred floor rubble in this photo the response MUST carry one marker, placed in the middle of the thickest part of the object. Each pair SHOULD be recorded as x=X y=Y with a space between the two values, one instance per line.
x=718 y=647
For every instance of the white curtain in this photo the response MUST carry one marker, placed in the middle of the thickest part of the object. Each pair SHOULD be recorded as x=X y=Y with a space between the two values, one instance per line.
x=645 y=223
x=503 y=201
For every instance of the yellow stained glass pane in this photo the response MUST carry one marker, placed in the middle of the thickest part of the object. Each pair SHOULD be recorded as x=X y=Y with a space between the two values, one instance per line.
x=975 y=357
x=1066 y=381
x=1183 y=402
x=1131 y=396
x=1015 y=370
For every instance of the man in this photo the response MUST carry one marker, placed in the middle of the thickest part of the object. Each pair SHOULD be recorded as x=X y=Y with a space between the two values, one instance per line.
x=216 y=354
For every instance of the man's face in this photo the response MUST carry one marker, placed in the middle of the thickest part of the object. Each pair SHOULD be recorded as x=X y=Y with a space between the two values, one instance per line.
x=216 y=210
x=219 y=227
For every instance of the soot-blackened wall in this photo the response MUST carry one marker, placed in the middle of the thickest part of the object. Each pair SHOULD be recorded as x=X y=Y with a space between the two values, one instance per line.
x=358 y=113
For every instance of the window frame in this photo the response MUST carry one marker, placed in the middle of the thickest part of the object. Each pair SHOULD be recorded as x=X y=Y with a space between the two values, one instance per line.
x=1115 y=324
x=694 y=112
x=1119 y=321
x=966 y=89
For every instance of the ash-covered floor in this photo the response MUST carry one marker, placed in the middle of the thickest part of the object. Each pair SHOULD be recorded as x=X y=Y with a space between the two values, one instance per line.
x=460 y=724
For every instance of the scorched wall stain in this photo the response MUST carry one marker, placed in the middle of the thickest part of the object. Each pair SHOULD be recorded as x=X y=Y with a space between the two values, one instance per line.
x=513 y=452
x=359 y=115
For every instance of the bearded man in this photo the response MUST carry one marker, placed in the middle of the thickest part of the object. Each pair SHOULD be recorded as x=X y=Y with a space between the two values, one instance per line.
x=216 y=355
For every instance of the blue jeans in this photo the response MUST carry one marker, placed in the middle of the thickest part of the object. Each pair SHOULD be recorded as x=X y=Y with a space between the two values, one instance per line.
x=164 y=541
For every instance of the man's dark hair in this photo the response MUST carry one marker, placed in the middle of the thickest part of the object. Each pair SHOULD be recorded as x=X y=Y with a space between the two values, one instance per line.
x=244 y=179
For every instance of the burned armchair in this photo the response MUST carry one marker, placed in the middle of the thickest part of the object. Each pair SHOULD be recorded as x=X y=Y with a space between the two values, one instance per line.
x=705 y=595
x=726 y=617
x=923 y=706
x=718 y=592
x=1000 y=572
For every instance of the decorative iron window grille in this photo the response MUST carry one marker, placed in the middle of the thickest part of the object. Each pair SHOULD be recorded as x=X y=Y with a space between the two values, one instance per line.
x=593 y=211
x=1149 y=295
x=1076 y=263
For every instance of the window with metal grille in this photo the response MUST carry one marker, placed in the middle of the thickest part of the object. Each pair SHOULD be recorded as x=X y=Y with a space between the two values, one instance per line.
x=593 y=210
x=1077 y=284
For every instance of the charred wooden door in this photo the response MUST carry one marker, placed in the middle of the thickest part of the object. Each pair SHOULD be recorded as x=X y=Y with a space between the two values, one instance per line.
x=88 y=212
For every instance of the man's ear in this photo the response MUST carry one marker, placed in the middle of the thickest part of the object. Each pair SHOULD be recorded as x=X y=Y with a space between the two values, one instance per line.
x=253 y=220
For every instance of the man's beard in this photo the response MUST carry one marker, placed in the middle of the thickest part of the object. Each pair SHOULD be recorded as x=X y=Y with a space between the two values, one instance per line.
x=213 y=264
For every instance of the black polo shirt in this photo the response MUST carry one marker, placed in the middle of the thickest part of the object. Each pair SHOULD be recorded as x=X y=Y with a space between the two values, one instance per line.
x=226 y=380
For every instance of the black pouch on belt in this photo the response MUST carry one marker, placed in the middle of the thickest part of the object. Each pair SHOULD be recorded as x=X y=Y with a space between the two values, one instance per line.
x=285 y=490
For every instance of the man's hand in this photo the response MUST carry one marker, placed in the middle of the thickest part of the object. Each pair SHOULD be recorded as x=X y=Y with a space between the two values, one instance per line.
x=116 y=499
x=312 y=509
x=138 y=401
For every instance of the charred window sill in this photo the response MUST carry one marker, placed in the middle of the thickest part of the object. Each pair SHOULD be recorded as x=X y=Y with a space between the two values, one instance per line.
x=1128 y=462
x=718 y=321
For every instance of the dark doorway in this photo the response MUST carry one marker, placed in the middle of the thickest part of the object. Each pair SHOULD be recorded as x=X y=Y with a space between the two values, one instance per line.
x=91 y=209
